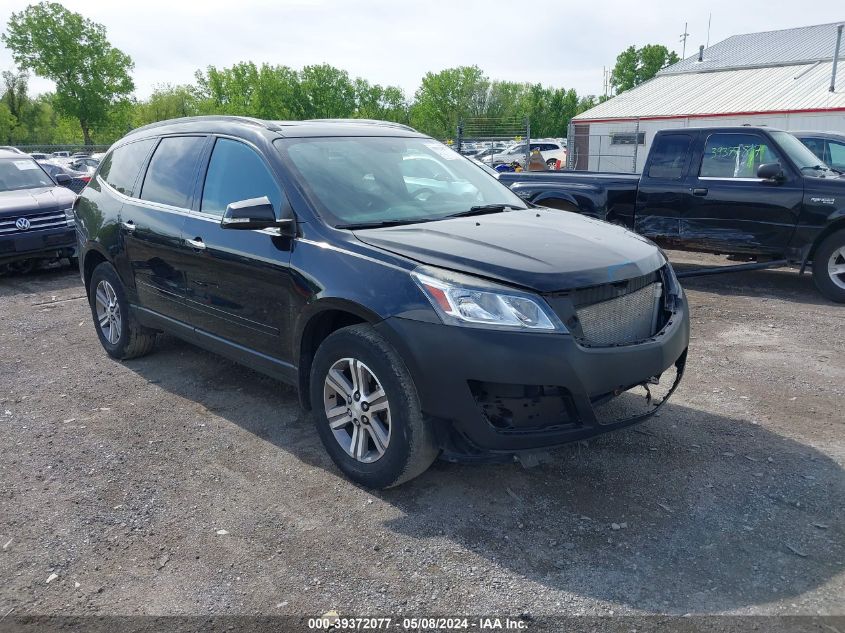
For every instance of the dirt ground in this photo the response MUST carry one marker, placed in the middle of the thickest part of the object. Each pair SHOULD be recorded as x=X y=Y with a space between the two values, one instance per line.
x=118 y=480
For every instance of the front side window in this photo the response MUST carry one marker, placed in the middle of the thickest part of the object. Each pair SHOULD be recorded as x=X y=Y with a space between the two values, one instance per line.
x=669 y=156
x=837 y=155
x=736 y=155
x=170 y=176
x=22 y=173
x=365 y=180
x=236 y=172
x=120 y=168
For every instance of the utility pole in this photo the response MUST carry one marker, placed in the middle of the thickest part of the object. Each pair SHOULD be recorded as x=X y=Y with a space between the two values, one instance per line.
x=709 y=20
x=683 y=39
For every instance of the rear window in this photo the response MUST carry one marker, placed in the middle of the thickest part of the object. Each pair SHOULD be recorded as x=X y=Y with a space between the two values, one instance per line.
x=172 y=171
x=120 y=168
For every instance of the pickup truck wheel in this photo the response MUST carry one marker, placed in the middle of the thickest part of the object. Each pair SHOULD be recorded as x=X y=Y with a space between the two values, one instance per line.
x=367 y=410
x=120 y=334
x=829 y=267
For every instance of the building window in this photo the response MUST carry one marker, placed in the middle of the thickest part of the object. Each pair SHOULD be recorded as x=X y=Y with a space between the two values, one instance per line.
x=627 y=138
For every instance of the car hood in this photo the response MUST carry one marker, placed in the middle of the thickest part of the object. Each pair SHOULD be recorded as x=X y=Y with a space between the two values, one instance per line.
x=35 y=200
x=540 y=249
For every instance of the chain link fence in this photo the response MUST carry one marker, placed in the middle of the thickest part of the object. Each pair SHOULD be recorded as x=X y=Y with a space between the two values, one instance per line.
x=70 y=149
x=605 y=147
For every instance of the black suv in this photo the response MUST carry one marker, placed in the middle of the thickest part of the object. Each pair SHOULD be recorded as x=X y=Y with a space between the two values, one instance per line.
x=421 y=307
x=36 y=215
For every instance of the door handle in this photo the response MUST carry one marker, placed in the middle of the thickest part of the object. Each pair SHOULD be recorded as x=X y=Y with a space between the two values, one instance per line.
x=699 y=191
x=196 y=243
x=129 y=225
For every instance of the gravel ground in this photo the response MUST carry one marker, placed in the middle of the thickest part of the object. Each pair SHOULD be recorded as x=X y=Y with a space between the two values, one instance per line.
x=181 y=483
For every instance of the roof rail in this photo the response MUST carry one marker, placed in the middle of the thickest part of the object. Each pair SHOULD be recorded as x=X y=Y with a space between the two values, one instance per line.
x=269 y=125
x=365 y=122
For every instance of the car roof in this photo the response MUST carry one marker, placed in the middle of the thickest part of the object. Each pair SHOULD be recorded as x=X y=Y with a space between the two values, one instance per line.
x=293 y=129
x=836 y=136
x=5 y=153
x=727 y=128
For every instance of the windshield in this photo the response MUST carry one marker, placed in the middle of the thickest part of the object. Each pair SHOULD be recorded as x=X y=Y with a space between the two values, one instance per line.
x=22 y=173
x=371 y=180
x=801 y=155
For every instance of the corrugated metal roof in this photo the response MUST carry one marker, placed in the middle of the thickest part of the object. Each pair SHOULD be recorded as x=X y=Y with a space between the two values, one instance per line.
x=777 y=89
x=769 y=48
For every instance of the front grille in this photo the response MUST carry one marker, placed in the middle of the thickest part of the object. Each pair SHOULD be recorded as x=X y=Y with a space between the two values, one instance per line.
x=625 y=319
x=37 y=221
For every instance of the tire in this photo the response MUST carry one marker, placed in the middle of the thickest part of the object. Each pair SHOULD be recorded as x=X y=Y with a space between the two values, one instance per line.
x=123 y=338
x=830 y=254
x=410 y=447
x=551 y=164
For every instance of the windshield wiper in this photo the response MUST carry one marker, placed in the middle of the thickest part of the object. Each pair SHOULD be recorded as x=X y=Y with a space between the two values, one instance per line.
x=381 y=223
x=482 y=209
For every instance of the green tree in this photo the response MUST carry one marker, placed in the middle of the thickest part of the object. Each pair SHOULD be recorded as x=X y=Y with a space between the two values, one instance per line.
x=636 y=65
x=653 y=58
x=327 y=92
x=90 y=74
x=446 y=97
x=624 y=75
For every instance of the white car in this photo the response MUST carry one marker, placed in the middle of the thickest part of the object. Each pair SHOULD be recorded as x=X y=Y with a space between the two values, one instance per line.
x=551 y=150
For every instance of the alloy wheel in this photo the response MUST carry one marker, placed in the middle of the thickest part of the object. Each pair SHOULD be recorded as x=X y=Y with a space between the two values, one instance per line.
x=108 y=311
x=836 y=267
x=357 y=410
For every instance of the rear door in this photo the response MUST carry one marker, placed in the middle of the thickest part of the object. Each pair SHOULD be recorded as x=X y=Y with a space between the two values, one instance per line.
x=664 y=191
x=152 y=224
x=732 y=210
x=238 y=281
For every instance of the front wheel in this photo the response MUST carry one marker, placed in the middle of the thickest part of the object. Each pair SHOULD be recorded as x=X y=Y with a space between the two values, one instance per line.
x=829 y=267
x=367 y=410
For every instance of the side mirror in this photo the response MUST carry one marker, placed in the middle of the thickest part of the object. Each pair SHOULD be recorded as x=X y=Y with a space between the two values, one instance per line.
x=255 y=213
x=63 y=180
x=770 y=171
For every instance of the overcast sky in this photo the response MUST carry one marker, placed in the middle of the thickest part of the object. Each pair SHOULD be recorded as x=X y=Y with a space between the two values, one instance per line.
x=562 y=43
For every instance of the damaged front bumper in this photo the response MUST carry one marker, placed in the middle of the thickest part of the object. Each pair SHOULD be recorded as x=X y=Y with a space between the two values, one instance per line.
x=494 y=394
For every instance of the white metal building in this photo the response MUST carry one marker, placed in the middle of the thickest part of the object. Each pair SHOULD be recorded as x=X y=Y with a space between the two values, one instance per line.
x=780 y=79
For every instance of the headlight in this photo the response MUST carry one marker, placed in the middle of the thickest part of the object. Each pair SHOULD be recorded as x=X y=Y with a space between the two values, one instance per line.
x=462 y=304
x=69 y=217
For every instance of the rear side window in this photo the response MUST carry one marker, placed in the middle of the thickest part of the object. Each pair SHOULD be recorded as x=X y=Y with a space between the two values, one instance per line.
x=669 y=156
x=120 y=168
x=236 y=172
x=172 y=171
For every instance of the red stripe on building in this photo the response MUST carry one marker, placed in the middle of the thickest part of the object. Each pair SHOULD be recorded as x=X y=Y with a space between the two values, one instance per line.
x=706 y=116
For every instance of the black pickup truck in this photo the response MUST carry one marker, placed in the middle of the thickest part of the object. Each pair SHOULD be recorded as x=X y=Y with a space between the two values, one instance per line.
x=743 y=191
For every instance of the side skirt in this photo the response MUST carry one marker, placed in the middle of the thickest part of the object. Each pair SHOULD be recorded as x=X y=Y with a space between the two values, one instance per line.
x=268 y=365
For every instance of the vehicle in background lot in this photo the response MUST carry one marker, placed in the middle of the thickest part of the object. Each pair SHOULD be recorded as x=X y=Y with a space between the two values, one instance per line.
x=484 y=153
x=61 y=154
x=13 y=150
x=36 y=215
x=744 y=191
x=39 y=156
x=552 y=150
x=451 y=321
x=85 y=164
x=76 y=179
x=829 y=147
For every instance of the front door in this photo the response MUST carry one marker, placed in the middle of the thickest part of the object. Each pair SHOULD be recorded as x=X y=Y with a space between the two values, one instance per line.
x=732 y=210
x=238 y=282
